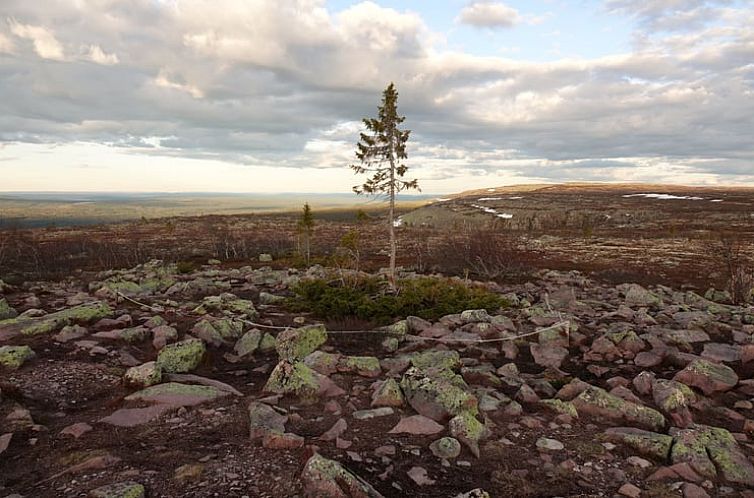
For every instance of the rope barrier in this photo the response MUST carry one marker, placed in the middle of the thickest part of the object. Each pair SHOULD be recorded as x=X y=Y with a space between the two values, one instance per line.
x=415 y=338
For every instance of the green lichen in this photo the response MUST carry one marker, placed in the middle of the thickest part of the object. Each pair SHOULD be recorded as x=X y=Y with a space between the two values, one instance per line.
x=181 y=357
x=466 y=428
x=560 y=406
x=367 y=366
x=176 y=388
x=293 y=378
x=13 y=357
x=134 y=335
x=446 y=360
x=297 y=344
x=446 y=394
x=267 y=343
x=248 y=343
x=6 y=311
x=81 y=315
x=597 y=401
x=128 y=489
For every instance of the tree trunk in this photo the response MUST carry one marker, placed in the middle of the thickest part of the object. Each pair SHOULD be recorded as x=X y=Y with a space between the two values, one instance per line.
x=393 y=245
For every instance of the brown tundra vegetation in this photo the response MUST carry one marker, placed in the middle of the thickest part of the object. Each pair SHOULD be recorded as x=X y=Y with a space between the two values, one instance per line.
x=607 y=350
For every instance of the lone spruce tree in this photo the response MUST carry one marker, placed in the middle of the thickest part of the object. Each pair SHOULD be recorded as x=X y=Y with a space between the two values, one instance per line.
x=306 y=229
x=381 y=151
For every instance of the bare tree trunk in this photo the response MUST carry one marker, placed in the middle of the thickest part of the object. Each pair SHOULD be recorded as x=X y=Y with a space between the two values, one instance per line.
x=393 y=245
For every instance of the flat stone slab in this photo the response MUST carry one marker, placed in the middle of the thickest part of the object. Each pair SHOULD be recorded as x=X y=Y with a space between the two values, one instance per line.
x=131 y=417
x=418 y=425
x=173 y=393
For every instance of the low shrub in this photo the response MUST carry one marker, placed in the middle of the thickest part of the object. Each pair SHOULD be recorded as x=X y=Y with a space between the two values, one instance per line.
x=370 y=299
x=184 y=267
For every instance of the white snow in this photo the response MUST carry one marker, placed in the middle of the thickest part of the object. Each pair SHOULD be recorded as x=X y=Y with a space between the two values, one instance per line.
x=666 y=197
x=489 y=210
x=716 y=200
x=398 y=222
x=442 y=199
x=490 y=199
x=491 y=190
x=515 y=197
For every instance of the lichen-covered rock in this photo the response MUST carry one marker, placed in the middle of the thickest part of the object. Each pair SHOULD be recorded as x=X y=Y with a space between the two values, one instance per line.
x=324 y=363
x=441 y=359
x=267 y=343
x=128 y=489
x=297 y=344
x=437 y=397
x=598 y=403
x=181 y=357
x=674 y=399
x=476 y=316
x=264 y=419
x=294 y=378
x=323 y=477
x=388 y=393
x=53 y=322
x=6 y=311
x=468 y=430
x=133 y=335
x=712 y=450
x=228 y=303
x=366 y=366
x=144 y=375
x=707 y=376
x=646 y=443
x=13 y=357
x=162 y=335
x=636 y=295
x=248 y=343
x=548 y=355
x=560 y=407
x=177 y=394
x=217 y=332
x=445 y=447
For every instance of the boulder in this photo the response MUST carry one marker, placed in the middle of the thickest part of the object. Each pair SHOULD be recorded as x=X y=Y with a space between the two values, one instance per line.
x=365 y=366
x=323 y=477
x=388 y=393
x=711 y=451
x=6 y=311
x=446 y=448
x=297 y=344
x=12 y=357
x=176 y=394
x=437 y=397
x=468 y=430
x=646 y=443
x=181 y=357
x=127 y=489
x=600 y=404
x=248 y=343
x=145 y=375
x=709 y=377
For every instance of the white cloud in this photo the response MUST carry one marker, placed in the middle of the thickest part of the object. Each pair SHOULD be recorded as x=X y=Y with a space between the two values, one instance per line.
x=45 y=43
x=284 y=84
x=164 y=80
x=489 y=14
x=96 y=54
x=6 y=45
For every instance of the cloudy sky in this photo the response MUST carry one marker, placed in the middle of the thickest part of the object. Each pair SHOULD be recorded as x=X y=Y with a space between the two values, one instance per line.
x=267 y=95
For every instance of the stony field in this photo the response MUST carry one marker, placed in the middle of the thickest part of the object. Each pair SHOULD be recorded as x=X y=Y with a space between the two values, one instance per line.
x=151 y=382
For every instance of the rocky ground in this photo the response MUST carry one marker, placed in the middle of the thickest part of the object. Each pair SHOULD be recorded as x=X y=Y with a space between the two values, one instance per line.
x=146 y=382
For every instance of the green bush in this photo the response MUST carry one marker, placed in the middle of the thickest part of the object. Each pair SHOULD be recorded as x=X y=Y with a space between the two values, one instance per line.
x=369 y=299
x=184 y=267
